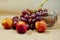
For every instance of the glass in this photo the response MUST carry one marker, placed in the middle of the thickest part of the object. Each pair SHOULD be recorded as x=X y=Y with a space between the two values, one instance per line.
x=51 y=19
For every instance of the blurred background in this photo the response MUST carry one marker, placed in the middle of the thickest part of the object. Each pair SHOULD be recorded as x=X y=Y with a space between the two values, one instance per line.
x=15 y=6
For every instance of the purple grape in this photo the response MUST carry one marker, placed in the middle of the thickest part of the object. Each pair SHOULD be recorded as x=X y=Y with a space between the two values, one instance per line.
x=23 y=19
x=15 y=17
x=24 y=12
x=32 y=16
x=38 y=18
x=44 y=14
x=32 y=26
x=38 y=14
x=14 y=24
x=33 y=20
x=31 y=11
x=15 y=20
x=30 y=21
x=26 y=16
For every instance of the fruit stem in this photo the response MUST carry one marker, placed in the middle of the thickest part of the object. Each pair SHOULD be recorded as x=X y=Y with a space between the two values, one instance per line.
x=41 y=5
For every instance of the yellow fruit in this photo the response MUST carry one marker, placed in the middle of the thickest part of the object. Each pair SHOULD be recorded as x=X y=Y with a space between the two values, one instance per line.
x=7 y=23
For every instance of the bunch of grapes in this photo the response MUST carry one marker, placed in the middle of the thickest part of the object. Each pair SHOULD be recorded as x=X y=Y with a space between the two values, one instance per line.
x=30 y=17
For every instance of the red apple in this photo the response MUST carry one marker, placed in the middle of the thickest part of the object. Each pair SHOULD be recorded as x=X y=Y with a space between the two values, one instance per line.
x=41 y=26
x=7 y=23
x=21 y=27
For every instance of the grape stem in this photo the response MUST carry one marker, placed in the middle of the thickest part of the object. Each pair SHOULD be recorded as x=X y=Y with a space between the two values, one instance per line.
x=41 y=5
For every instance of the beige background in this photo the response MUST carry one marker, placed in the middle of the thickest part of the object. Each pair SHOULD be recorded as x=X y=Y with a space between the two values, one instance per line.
x=15 y=6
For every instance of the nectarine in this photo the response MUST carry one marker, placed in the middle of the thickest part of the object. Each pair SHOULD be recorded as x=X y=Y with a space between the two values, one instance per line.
x=40 y=26
x=21 y=27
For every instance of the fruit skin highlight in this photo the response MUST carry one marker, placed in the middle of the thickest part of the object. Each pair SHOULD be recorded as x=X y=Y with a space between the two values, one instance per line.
x=21 y=27
x=7 y=23
x=41 y=26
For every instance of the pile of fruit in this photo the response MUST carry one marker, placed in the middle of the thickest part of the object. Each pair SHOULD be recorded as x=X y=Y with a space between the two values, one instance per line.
x=28 y=20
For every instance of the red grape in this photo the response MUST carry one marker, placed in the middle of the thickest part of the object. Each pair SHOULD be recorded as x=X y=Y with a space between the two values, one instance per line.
x=32 y=26
x=15 y=17
x=44 y=13
x=30 y=21
x=15 y=20
x=32 y=16
x=26 y=16
x=31 y=11
x=38 y=18
x=38 y=14
x=23 y=19
x=33 y=20
x=24 y=12
x=14 y=24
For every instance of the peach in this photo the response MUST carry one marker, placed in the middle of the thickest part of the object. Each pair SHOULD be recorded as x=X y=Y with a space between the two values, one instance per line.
x=7 y=23
x=41 y=26
x=21 y=27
